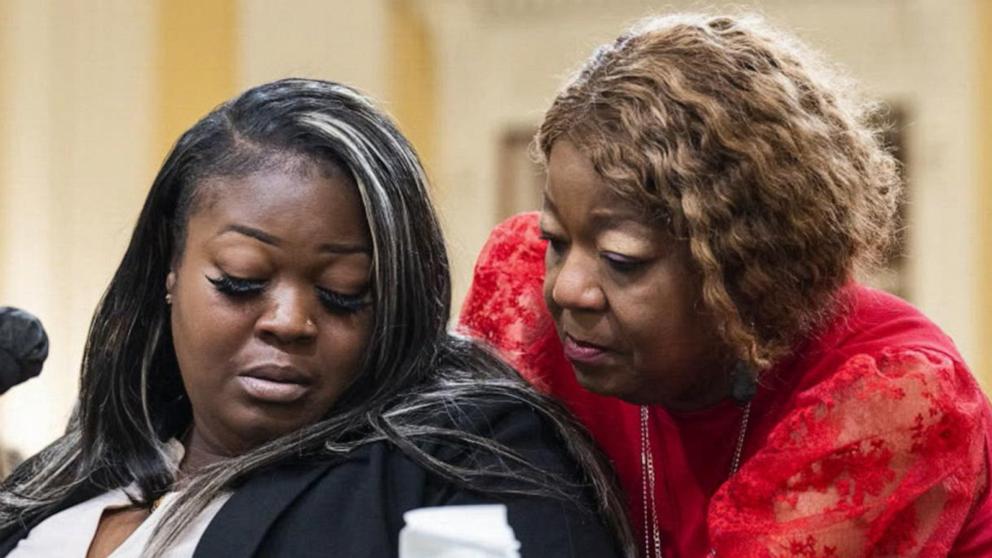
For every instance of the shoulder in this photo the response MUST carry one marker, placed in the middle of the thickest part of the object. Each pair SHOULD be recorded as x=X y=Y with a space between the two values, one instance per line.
x=879 y=356
x=515 y=239
x=496 y=442
x=513 y=251
x=484 y=428
x=885 y=441
x=507 y=279
x=869 y=321
x=505 y=306
x=13 y=534
x=886 y=366
x=895 y=382
x=512 y=452
x=909 y=400
x=380 y=481
x=512 y=417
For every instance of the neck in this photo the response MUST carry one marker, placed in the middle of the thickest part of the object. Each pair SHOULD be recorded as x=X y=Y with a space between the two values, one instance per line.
x=200 y=452
x=703 y=395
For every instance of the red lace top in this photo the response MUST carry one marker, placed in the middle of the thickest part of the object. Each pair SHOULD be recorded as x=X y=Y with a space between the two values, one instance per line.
x=872 y=440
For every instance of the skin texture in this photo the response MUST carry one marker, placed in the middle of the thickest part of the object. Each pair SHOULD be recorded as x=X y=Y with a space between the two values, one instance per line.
x=292 y=232
x=622 y=286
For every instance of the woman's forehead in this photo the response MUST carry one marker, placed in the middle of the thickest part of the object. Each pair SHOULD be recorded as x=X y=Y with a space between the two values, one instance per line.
x=284 y=204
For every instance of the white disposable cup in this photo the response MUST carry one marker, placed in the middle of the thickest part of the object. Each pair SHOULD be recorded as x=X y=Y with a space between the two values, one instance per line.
x=458 y=532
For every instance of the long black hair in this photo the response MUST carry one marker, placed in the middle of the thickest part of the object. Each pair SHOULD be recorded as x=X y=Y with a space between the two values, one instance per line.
x=132 y=400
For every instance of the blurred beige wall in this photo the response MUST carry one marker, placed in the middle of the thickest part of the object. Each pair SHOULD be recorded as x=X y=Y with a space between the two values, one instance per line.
x=329 y=39
x=982 y=150
x=76 y=130
x=92 y=93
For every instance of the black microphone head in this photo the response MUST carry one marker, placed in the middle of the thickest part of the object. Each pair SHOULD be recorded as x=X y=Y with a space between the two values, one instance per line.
x=23 y=347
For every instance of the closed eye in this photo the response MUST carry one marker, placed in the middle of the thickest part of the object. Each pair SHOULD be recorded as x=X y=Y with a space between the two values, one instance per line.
x=623 y=264
x=555 y=244
x=332 y=301
x=236 y=287
x=338 y=303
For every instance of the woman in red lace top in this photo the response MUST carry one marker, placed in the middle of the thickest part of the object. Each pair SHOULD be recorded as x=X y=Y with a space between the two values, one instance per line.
x=687 y=290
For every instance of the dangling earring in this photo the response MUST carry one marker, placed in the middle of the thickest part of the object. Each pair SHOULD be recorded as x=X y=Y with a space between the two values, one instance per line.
x=168 y=298
x=744 y=383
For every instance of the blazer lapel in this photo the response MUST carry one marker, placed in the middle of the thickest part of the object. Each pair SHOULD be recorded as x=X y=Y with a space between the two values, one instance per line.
x=244 y=520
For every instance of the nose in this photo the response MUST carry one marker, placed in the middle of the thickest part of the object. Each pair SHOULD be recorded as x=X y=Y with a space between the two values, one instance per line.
x=574 y=284
x=289 y=316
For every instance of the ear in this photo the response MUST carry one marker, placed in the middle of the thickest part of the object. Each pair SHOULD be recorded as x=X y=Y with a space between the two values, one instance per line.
x=170 y=282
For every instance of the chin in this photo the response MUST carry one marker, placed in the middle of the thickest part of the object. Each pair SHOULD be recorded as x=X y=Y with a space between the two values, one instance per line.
x=602 y=382
x=615 y=383
x=260 y=428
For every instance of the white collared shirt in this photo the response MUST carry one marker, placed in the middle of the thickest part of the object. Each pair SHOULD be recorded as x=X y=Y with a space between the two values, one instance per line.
x=69 y=533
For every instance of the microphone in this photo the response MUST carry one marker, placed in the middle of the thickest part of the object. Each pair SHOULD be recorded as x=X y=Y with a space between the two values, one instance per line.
x=23 y=347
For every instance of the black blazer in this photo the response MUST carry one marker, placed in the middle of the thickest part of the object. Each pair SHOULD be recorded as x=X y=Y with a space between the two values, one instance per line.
x=352 y=506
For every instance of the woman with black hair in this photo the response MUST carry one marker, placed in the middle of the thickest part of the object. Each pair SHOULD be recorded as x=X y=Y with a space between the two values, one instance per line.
x=269 y=372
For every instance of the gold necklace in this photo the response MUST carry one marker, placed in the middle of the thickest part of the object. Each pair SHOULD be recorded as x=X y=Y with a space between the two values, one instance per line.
x=155 y=504
x=652 y=533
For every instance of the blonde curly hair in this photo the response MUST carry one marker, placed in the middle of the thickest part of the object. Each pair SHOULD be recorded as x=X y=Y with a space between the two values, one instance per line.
x=746 y=145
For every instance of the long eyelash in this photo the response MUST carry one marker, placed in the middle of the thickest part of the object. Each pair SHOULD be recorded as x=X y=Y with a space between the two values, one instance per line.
x=333 y=301
x=337 y=302
x=236 y=286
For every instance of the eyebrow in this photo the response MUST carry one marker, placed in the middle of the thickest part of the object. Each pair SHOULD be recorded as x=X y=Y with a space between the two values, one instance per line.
x=610 y=219
x=271 y=240
x=601 y=219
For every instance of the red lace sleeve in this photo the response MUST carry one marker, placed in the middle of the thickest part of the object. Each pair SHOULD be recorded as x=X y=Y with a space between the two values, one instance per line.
x=885 y=458
x=504 y=306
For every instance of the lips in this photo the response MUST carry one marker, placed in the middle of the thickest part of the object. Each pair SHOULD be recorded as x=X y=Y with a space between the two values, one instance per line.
x=275 y=383
x=584 y=352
